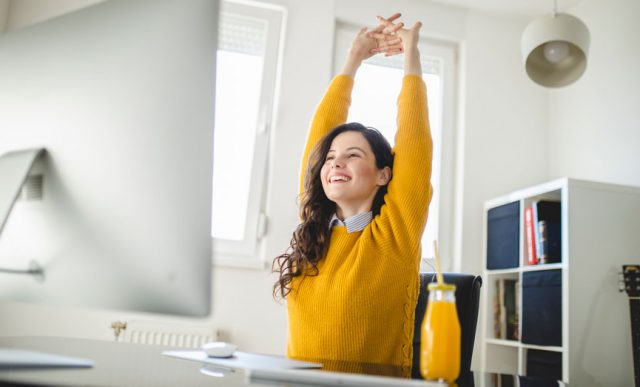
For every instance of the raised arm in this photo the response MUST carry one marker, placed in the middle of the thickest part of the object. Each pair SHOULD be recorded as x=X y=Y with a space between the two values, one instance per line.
x=410 y=191
x=410 y=39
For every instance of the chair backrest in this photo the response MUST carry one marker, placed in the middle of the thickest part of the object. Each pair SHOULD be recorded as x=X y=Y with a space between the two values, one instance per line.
x=467 y=303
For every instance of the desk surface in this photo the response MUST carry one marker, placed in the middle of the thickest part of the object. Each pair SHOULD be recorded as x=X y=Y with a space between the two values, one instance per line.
x=126 y=364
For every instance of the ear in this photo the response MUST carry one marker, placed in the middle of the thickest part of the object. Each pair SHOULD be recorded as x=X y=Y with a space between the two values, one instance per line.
x=384 y=175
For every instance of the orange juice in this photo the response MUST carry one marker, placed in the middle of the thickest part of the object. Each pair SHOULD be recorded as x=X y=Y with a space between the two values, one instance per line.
x=440 y=340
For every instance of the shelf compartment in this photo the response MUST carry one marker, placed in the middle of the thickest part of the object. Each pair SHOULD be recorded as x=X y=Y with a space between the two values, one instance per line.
x=503 y=359
x=504 y=310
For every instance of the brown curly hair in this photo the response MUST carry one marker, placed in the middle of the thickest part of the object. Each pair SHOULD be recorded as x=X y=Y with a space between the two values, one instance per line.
x=311 y=238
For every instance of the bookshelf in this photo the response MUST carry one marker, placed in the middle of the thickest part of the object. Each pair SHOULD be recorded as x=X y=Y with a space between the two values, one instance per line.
x=598 y=234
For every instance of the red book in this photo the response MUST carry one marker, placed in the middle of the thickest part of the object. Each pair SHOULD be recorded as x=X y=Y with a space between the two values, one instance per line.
x=531 y=238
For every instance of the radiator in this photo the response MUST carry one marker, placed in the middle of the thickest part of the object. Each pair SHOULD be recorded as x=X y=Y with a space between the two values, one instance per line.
x=173 y=335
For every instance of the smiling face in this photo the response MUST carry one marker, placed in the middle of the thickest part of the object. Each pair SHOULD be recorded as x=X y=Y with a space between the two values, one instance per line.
x=349 y=175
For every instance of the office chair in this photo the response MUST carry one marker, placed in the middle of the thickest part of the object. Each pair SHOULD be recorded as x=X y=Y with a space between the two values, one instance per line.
x=467 y=303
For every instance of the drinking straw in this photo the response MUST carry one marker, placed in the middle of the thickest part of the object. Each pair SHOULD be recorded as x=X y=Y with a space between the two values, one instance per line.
x=438 y=271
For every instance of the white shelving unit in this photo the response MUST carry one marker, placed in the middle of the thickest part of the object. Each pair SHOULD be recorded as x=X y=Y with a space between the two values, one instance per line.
x=600 y=232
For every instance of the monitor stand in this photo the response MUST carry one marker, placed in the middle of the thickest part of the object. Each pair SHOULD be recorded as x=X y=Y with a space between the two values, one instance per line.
x=14 y=170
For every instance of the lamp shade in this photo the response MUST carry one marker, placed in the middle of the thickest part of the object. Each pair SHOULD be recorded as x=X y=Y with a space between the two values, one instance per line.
x=554 y=49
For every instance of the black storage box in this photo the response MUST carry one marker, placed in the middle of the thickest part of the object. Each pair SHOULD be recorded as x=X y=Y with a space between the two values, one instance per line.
x=503 y=242
x=544 y=364
x=542 y=307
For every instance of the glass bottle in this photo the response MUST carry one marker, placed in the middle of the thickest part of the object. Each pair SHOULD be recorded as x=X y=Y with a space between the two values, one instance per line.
x=440 y=336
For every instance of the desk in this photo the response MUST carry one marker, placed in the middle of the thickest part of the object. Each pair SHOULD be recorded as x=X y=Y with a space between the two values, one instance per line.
x=126 y=364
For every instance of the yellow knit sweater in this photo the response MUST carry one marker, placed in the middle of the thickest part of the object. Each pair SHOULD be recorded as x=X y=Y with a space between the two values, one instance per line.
x=361 y=305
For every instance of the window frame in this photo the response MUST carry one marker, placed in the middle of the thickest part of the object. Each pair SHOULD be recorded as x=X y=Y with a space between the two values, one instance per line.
x=243 y=252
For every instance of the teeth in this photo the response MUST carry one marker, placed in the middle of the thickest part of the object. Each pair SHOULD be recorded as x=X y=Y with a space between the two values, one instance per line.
x=339 y=178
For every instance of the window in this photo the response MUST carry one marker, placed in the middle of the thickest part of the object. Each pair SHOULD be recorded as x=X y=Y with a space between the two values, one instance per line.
x=247 y=59
x=374 y=104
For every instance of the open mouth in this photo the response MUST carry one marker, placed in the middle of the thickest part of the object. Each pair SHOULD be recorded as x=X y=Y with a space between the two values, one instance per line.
x=339 y=179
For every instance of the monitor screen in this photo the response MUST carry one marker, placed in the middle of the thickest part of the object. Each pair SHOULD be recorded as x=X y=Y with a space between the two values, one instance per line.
x=121 y=97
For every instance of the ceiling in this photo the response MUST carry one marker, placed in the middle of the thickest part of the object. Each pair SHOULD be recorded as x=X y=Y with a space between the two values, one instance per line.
x=529 y=8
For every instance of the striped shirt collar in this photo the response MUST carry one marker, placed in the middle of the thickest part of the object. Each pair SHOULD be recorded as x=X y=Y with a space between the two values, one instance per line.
x=354 y=223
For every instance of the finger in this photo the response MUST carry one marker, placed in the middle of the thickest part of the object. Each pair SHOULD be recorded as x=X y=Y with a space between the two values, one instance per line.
x=382 y=36
x=372 y=34
x=395 y=43
x=394 y=52
x=378 y=28
x=416 y=26
x=392 y=41
x=385 y=49
x=384 y=21
x=392 y=29
x=394 y=16
x=396 y=27
x=390 y=19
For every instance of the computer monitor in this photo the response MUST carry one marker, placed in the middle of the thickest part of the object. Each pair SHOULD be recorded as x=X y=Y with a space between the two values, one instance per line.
x=121 y=96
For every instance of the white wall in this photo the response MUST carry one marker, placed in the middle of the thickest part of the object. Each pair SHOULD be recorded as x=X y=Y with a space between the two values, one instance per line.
x=506 y=120
x=515 y=134
x=594 y=126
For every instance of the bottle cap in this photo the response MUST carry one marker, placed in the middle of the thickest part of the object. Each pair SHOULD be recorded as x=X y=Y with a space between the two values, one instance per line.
x=436 y=286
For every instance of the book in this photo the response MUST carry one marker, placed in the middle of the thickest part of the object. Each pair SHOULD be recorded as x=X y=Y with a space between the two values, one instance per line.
x=548 y=227
x=496 y=311
x=536 y=231
x=549 y=212
x=511 y=325
x=503 y=311
x=499 y=312
x=531 y=238
x=550 y=241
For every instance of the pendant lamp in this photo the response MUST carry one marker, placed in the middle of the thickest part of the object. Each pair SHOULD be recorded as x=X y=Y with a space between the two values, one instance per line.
x=554 y=49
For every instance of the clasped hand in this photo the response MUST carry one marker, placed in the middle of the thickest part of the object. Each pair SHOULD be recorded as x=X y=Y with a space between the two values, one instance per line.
x=388 y=37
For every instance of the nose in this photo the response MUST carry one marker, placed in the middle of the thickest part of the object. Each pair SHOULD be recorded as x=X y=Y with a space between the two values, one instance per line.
x=337 y=162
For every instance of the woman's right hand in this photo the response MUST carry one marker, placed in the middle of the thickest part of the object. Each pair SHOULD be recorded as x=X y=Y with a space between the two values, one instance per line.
x=362 y=46
x=409 y=44
x=380 y=39
x=368 y=43
x=409 y=38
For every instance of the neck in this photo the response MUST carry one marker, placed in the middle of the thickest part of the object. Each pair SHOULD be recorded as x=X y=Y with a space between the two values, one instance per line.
x=344 y=211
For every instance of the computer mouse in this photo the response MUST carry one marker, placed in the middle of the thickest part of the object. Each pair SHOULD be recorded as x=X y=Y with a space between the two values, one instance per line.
x=219 y=349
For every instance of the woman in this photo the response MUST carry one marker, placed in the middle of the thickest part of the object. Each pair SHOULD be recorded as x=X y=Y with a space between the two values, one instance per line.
x=350 y=276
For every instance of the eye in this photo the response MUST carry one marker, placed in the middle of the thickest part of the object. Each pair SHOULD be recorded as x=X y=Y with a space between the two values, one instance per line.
x=329 y=158
x=354 y=155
